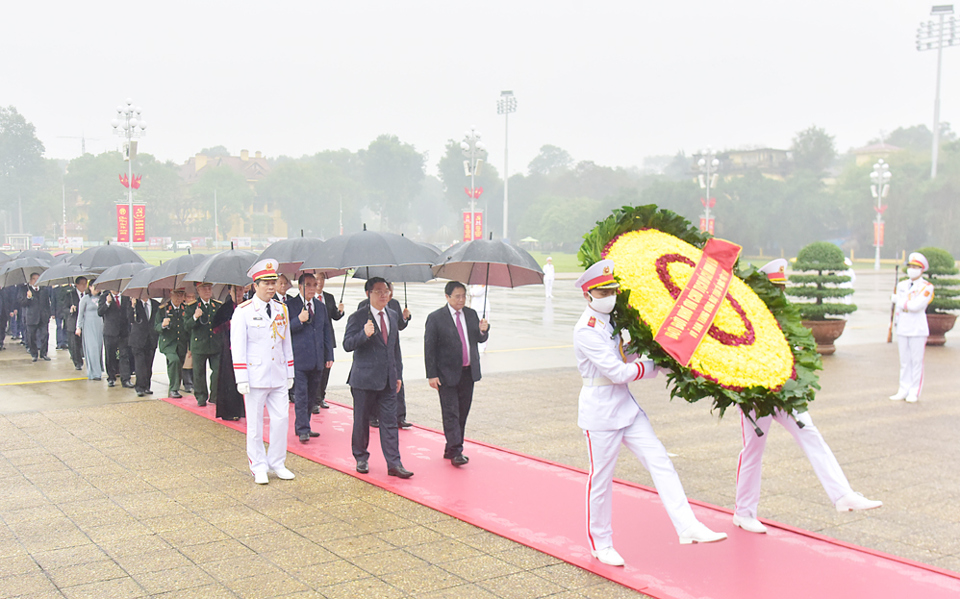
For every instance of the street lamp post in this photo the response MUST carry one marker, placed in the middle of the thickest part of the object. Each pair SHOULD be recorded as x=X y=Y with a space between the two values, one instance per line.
x=130 y=127
x=935 y=35
x=473 y=151
x=709 y=165
x=879 y=187
x=505 y=105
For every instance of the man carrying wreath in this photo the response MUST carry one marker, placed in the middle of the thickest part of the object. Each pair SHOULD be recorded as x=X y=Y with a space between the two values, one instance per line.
x=609 y=415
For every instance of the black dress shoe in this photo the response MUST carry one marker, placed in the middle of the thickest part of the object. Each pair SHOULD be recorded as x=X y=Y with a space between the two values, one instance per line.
x=45 y=358
x=323 y=402
x=176 y=395
x=363 y=467
x=201 y=404
x=34 y=359
x=399 y=472
x=110 y=383
x=459 y=460
x=139 y=393
x=404 y=424
x=148 y=391
x=315 y=410
x=375 y=422
x=188 y=389
x=75 y=367
x=313 y=434
x=304 y=438
x=127 y=385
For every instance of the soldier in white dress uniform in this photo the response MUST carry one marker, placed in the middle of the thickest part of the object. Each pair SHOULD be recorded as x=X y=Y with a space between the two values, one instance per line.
x=801 y=427
x=609 y=415
x=263 y=365
x=913 y=296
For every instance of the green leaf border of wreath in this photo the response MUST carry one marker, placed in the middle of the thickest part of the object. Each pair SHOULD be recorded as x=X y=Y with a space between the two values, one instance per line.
x=794 y=395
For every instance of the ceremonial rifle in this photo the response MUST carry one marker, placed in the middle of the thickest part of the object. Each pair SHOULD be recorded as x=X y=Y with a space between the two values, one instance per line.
x=893 y=306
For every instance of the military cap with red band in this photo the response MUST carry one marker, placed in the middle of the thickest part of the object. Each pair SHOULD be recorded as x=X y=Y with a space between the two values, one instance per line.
x=263 y=270
x=598 y=276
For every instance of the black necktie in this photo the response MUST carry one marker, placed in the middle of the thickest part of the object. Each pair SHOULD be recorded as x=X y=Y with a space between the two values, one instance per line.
x=268 y=309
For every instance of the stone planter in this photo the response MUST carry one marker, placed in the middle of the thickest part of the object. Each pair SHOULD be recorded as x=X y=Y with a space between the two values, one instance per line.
x=825 y=332
x=939 y=325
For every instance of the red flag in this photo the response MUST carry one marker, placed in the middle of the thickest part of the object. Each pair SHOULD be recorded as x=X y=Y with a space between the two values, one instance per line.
x=124 y=181
x=136 y=181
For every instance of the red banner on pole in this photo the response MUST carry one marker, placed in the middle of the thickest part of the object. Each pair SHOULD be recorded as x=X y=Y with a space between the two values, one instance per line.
x=123 y=224
x=706 y=226
x=697 y=305
x=478 y=225
x=139 y=223
x=878 y=234
x=467 y=225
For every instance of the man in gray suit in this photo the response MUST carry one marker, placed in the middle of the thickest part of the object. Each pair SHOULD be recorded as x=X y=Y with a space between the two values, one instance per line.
x=372 y=334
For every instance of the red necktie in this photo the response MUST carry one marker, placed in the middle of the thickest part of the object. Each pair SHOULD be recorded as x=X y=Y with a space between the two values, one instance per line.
x=310 y=309
x=463 y=341
x=383 y=328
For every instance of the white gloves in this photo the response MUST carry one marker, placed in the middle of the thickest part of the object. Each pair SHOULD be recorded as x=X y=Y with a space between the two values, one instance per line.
x=289 y=384
x=243 y=388
x=893 y=298
x=625 y=336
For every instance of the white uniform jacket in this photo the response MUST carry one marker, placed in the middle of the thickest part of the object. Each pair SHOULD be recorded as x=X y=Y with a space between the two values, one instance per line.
x=262 y=353
x=913 y=297
x=605 y=399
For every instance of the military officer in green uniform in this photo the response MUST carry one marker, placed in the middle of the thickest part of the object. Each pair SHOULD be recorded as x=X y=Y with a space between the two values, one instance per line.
x=204 y=344
x=168 y=321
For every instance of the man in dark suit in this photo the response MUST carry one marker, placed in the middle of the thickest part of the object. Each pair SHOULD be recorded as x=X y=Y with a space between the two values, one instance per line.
x=143 y=341
x=69 y=304
x=35 y=303
x=404 y=317
x=372 y=335
x=4 y=314
x=452 y=364
x=112 y=309
x=334 y=312
x=205 y=345
x=312 y=338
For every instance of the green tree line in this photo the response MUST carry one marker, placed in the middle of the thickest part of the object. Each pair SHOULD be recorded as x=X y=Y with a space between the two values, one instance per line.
x=822 y=195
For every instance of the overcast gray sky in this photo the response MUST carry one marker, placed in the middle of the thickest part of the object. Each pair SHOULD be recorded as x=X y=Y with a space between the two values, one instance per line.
x=608 y=81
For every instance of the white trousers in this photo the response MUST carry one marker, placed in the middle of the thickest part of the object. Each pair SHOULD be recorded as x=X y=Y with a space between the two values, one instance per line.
x=911 y=364
x=809 y=439
x=548 y=286
x=276 y=401
x=603 y=448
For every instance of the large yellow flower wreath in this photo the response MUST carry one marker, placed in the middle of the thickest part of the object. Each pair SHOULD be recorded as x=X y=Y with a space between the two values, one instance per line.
x=743 y=348
x=757 y=354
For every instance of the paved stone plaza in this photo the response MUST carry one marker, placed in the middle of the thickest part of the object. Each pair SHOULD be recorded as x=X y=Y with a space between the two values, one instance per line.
x=105 y=495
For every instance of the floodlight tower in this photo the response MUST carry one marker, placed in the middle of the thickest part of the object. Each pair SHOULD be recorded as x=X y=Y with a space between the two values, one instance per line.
x=506 y=105
x=129 y=125
x=935 y=35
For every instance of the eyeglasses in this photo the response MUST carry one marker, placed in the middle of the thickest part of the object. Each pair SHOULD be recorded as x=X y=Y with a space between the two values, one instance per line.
x=381 y=292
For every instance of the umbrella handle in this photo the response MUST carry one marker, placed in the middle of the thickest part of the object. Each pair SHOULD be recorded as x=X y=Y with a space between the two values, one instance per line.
x=404 y=294
x=342 y=291
x=486 y=290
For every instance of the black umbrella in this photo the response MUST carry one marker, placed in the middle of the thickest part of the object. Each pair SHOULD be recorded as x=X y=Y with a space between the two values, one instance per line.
x=18 y=270
x=290 y=253
x=408 y=273
x=63 y=274
x=35 y=254
x=367 y=249
x=488 y=262
x=116 y=277
x=138 y=285
x=4 y=258
x=226 y=268
x=170 y=274
x=103 y=257
x=63 y=258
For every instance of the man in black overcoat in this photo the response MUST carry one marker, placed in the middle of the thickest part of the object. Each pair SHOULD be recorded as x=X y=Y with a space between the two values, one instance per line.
x=112 y=308
x=37 y=309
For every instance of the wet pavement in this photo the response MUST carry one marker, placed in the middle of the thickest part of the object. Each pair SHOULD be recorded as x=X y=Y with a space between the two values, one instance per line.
x=108 y=495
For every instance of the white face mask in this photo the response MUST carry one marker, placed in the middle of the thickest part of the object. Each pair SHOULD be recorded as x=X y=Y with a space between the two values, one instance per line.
x=604 y=305
x=914 y=273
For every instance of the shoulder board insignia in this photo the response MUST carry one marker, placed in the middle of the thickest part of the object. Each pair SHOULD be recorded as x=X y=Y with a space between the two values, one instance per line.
x=246 y=303
x=192 y=303
x=215 y=302
x=592 y=322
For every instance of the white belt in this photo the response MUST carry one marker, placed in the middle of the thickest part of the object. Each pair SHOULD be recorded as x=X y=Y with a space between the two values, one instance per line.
x=600 y=381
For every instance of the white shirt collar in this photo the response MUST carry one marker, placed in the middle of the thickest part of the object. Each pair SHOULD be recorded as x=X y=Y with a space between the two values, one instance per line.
x=453 y=313
x=376 y=316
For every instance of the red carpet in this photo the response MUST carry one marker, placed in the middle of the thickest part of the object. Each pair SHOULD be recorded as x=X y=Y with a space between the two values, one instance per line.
x=541 y=505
